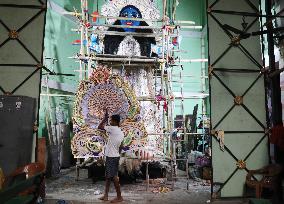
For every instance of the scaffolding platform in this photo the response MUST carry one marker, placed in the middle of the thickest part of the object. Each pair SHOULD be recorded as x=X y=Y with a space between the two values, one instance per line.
x=122 y=60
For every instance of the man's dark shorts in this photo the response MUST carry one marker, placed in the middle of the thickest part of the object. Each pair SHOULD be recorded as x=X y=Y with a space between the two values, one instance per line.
x=112 y=164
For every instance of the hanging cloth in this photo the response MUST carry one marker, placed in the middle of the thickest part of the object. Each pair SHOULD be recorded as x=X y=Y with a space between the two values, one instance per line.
x=221 y=138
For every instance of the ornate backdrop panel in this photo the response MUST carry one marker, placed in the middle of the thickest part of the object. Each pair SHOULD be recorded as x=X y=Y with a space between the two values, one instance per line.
x=109 y=90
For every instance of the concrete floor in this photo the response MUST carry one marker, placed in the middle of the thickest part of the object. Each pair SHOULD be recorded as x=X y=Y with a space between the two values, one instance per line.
x=64 y=187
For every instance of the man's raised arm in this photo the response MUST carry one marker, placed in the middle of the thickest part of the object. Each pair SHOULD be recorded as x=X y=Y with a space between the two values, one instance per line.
x=103 y=122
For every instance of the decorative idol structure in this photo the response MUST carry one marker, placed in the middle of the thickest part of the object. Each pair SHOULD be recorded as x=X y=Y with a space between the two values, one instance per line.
x=118 y=89
x=105 y=90
x=140 y=78
x=130 y=45
x=108 y=90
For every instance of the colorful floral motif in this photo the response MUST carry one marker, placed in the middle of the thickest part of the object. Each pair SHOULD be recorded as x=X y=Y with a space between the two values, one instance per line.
x=105 y=90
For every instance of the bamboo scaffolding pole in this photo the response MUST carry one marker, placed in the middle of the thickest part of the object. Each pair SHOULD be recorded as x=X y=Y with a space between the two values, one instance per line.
x=99 y=32
x=183 y=22
x=133 y=59
x=171 y=102
x=191 y=27
x=125 y=33
x=164 y=61
x=185 y=82
x=174 y=9
x=203 y=88
x=78 y=70
x=118 y=64
x=126 y=26
x=167 y=78
x=57 y=95
x=193 y=60
x=192 y=97
x=139 y=27
x=191 y=76
x=181 y=133
x=144 y=27
x=183 y=128
x=148 y=98
x=125 y=59
x=114 y=17
x=133 y=19
x=171 y=145
x=203 y=85
x=158 y=134
x=88 y=66
x=138 y=98
x=81 y=53
x=82 y=46
x=183 y=51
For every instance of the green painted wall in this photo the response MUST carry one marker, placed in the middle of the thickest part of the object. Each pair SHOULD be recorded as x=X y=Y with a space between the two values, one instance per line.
x=58 y=39
x=58 y=44
x=195 y=11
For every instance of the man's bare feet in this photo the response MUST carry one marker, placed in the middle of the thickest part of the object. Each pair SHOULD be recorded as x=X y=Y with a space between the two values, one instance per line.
x=117 y=200
x=104 y=198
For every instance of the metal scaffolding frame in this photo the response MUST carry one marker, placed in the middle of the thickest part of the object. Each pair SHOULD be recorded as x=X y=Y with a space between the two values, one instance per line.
x=163 y=69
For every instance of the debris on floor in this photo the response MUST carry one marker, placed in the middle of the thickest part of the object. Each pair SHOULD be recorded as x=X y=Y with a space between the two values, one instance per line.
x=65 y=188
x=161 y=190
